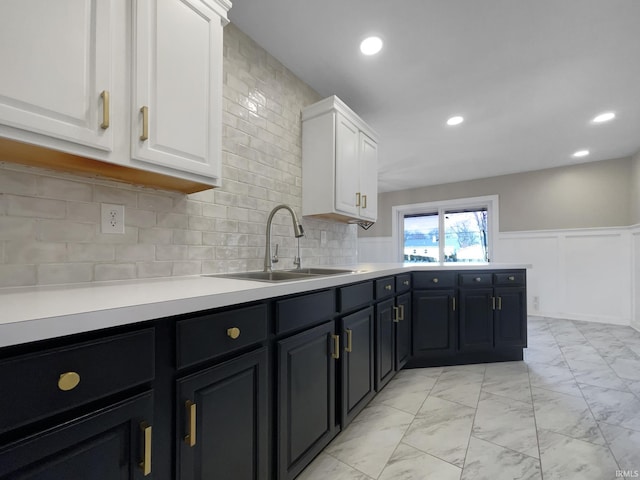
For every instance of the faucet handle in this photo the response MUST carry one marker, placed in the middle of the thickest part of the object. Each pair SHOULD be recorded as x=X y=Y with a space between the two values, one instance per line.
x=274 y=259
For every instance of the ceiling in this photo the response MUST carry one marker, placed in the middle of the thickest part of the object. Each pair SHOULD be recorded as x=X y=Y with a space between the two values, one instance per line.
x=527 y=75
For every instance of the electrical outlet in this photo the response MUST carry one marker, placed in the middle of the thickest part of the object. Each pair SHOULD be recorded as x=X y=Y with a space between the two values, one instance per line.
x=112 y=218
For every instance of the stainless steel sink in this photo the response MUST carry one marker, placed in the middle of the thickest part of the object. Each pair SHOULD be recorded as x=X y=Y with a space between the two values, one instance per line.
x=283 y=275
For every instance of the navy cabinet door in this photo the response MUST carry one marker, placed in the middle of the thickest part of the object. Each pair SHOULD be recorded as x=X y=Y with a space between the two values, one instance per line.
x=385 y=343
x=434 y=323
x=476 y=318
x=403 y=330
x=511 y=317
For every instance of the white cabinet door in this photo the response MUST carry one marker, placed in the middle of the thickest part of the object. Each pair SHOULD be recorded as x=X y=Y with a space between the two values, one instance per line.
x=56 y=61
x=347 y=171
x=368 y=178
x=178 y=78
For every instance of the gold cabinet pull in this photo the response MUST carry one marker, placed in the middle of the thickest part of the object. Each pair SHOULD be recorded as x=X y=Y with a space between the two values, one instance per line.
x=364 y=201
x=145 y=465
x=396 y=314
x=512 y=278
x=106 y=101
x=349 y=347
x=499 y=303
x=435 y=280
x=406 y=283
x=190 y=438
x=145 y=123
x=493 y=302
x=336 y=347
x=233 y=332
x=357 y=199
x=387 y=287
x=68 y=381
x=401 y=316
x=453 y=304
x=478 y=279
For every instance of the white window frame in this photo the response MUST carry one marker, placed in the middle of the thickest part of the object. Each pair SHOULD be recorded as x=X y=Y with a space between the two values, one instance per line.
x=398 y=213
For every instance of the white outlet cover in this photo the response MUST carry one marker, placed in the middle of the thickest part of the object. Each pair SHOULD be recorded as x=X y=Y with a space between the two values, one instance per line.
x=112 y=218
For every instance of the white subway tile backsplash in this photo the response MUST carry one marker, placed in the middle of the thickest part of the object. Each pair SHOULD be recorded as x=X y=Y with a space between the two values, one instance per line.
x=50 y=222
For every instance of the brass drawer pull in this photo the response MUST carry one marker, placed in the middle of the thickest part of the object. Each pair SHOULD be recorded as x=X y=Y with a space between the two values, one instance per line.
x=190 y=438
x=396 y=314
x=512 y=278
x=68 y=381
x=145 y=465
x=401 y=316
x=364 y=201
x=435 y=280
x=478 y=279
x=145 y=123
x=387 y=287
x=453 y=303
x=357 y=199
x=499 y=303
x=406 y=283
x=349 y=347
x=336 y=347
x=233 y=332
x=493 y=302
x=105 y=109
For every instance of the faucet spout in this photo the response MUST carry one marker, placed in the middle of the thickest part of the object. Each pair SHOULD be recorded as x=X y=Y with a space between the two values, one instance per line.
x=298 y=232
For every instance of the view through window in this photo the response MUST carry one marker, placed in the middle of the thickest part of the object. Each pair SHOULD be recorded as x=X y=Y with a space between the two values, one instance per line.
x=465 y=236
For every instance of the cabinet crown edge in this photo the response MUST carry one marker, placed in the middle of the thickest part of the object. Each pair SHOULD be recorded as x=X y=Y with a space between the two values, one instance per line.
x=333 y=103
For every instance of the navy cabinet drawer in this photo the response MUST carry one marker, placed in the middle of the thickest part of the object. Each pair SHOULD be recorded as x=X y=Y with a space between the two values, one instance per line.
x=305 y=310
x=403 y=282
x=385 y=287
x=512 y=278
x=475 y=279
x=209 y=336
x=427 y=280
x=38 y=385
x=354 y=296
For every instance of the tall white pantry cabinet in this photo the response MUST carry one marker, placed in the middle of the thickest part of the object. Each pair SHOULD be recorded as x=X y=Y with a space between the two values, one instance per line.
x=339 y=164
x=135 y=83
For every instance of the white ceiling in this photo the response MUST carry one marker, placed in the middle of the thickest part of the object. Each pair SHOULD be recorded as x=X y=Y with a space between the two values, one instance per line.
x=527 y=75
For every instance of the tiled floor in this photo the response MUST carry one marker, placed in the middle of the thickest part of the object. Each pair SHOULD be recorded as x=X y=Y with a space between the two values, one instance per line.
x=571 y=410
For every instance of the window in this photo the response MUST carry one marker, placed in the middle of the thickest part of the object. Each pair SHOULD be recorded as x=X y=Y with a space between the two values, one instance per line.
x=453 y=231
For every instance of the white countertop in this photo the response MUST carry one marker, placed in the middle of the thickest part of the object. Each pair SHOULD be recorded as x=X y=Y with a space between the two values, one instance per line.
x=38 y=313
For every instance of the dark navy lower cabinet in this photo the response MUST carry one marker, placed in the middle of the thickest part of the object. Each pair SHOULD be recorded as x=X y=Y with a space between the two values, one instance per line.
x=385 y=343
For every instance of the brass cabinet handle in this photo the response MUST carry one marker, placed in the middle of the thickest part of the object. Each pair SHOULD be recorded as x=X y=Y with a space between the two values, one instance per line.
x=453 y=304
x=406 y=282
x=105 y=109
x=68 y=381
x=336 y=347
x=145 y=465
x=435 y=280
x=233 y=332
x=387 y=287
x=499 y=303
x=357 y=199
x=401 y=313
x=190 y=438
x=349 y=347
x=478 y=279
x=493 y=302
x=145 y=123
x=364 y=201
x=512 y=278
x=396 y=314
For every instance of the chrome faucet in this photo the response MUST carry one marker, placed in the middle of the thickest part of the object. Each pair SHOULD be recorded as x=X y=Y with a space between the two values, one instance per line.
x=298 y=231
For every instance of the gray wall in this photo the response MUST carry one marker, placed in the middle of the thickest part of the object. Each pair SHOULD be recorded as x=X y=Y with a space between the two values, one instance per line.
x=593 y=194
x=635 y=189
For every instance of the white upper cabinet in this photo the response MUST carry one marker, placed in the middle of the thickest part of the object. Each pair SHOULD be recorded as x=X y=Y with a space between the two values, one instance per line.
x=177 y=87
x=339 y=163
x=56 y=64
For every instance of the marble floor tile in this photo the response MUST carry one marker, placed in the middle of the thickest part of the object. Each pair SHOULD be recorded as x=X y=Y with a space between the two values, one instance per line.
x=565 y=458
x=565 y=414
x=486 y=461
x=634 y=387
x=550 y=377
x=624 y=444
x=442 y=429
x=613 y=406
x=325 y=466
x=509 y=379
x=571 y=339
x=547 y=355
x=459 y=385
x=406 y=392
x=597 y=375
x=408 y=463
x=626 y=367
x=506 y=422
x=383 y=416
x=367 y=444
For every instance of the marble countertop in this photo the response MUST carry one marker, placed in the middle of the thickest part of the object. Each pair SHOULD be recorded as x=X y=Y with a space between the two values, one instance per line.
x=42 y=312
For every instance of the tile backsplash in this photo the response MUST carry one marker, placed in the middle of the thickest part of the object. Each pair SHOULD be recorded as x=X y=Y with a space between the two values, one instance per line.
x=50 y=222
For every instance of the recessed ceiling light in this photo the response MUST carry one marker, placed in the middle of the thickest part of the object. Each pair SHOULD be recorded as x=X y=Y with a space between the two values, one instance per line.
x=455 y=121
x=604 y=117
x=371 y=45
x=581 y=153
